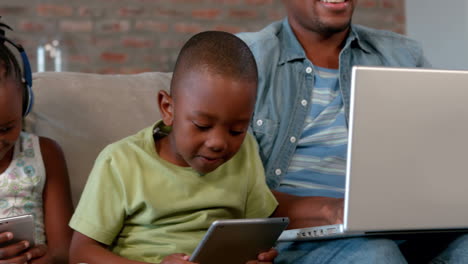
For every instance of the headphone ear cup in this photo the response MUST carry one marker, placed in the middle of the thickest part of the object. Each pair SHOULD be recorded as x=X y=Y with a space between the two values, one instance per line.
x=28 y=98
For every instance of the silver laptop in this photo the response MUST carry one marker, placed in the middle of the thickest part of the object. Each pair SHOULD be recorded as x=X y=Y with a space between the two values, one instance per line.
x=407 y=166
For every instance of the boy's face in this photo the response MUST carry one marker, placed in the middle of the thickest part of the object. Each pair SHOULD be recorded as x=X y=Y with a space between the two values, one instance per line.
x=209 y=115
x=10 y=115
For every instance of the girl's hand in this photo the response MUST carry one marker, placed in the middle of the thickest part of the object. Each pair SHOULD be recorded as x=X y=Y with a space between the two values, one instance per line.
x=12 y=253
x=21 y=253
x=38 y=255
x=265 y=257
x=177 y=258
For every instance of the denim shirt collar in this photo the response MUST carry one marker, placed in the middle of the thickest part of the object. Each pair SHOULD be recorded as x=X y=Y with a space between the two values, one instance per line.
x=293 y=50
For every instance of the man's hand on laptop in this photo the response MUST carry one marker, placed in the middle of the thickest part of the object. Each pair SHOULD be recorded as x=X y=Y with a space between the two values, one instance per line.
x=309 y=211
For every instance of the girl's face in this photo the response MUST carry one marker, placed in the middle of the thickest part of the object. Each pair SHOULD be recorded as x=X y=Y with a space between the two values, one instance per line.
x=10 y=118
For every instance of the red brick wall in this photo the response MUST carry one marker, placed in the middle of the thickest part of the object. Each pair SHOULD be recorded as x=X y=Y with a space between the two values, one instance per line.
x=128 y=36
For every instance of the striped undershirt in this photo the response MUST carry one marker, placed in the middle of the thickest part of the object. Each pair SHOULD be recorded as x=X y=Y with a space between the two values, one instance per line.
x=318 y=166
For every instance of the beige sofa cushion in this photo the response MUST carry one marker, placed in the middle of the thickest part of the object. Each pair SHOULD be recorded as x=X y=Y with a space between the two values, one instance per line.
x=85 y=112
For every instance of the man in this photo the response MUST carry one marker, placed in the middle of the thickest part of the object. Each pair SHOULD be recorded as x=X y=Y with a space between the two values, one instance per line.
x=301 y=119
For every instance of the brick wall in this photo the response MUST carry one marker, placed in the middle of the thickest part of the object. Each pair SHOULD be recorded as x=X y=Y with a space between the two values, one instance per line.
x=128 y=36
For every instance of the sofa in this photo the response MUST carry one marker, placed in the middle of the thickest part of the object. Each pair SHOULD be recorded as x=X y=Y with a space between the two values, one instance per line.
x=84 y=112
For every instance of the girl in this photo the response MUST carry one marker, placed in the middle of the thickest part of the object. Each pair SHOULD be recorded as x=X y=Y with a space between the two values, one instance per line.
x=33 y=173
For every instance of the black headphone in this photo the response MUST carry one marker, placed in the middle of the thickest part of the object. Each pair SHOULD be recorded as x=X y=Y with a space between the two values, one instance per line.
x=28 y=96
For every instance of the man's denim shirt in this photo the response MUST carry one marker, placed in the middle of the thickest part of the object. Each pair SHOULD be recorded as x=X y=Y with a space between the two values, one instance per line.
x=286 y=82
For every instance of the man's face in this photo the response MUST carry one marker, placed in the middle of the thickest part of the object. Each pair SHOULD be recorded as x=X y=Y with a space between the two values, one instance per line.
x=211 y=115
x=321 y=16
x=10 y=115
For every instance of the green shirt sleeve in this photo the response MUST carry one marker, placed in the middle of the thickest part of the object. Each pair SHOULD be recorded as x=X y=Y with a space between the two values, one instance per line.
x=260 y=201
x=101 y=212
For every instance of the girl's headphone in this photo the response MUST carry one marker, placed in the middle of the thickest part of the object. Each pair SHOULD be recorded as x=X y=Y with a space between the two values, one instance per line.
x=28 y=96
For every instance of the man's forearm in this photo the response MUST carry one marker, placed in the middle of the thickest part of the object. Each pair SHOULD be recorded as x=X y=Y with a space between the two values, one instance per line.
x=309 y=211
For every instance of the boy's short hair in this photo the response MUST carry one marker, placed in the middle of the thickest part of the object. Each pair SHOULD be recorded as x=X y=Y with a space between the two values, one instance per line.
x=217 y=52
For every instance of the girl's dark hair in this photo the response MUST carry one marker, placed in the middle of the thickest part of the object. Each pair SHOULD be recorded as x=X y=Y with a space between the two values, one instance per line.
x=9 y=66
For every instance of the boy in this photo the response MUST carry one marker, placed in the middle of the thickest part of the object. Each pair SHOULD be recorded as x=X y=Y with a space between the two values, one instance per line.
x=155 y=193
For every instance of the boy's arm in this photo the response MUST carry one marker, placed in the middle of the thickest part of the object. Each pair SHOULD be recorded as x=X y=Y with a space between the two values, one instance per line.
x=100 y=216
x=87 y=250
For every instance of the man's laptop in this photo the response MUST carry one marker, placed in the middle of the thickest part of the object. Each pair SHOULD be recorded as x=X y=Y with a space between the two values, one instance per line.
x=407 y=166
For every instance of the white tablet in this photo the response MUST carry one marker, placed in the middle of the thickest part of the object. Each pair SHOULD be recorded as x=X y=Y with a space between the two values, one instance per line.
x=21 y=226
x=239 y=240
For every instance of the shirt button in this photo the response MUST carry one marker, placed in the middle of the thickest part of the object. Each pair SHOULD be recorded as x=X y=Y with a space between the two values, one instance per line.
x=259 y=122
x=304 y=102
x=292 y=139
x=278 y=172
x=309 y=69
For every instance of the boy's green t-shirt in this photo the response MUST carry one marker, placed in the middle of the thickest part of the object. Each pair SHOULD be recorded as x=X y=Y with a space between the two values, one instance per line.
x=145 y=208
